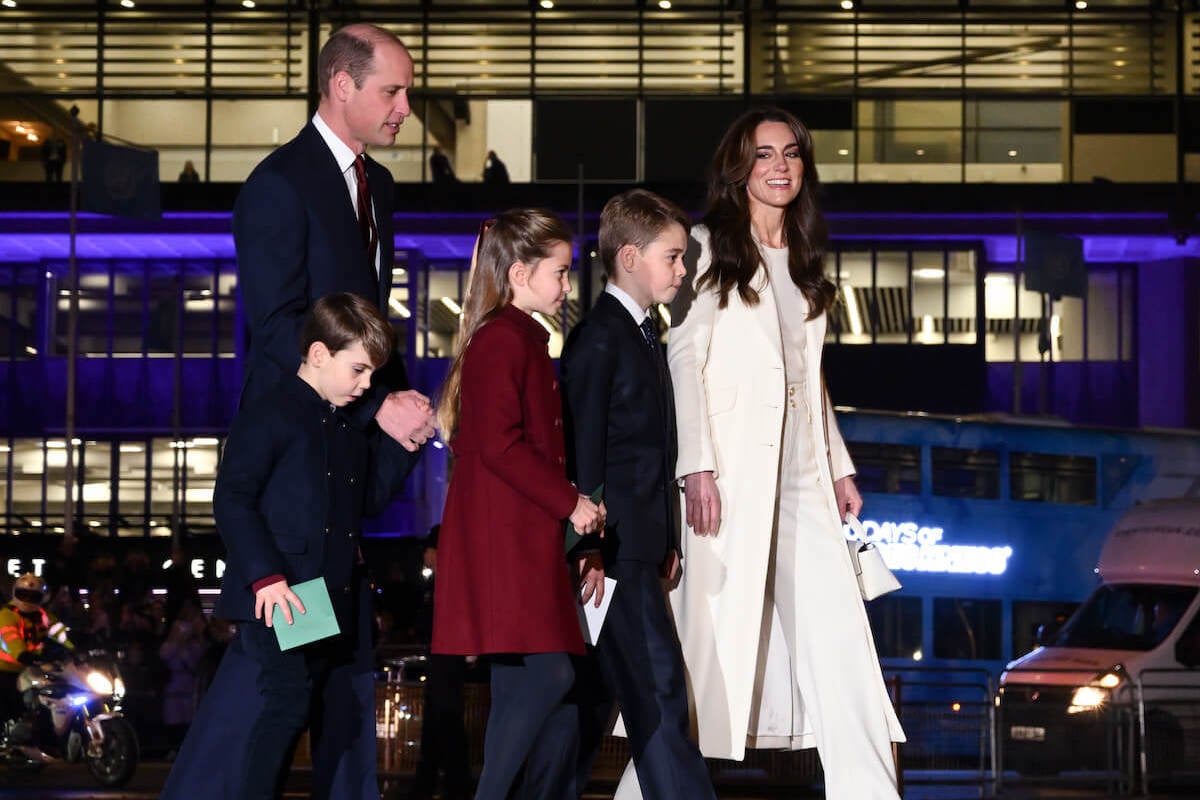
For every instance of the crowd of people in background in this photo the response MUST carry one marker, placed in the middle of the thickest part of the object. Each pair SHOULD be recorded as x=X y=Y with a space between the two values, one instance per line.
x=153 y=618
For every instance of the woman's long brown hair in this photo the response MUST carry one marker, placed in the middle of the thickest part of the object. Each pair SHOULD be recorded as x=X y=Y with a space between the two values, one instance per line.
x=525 y=235
x=735 y=255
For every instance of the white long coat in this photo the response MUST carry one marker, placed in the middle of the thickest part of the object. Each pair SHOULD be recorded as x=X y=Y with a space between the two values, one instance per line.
x=727 y=366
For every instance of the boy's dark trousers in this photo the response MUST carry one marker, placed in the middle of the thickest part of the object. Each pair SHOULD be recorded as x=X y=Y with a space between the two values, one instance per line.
x=642 y=668
x=287 y=681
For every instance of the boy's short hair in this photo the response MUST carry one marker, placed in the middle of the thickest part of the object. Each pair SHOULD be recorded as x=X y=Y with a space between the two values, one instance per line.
x=635 y=217
x=341 y=319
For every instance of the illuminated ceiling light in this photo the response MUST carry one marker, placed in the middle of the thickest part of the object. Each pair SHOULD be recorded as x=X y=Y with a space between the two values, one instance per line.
x=847 y=5
x=399 y=308
x=248 y=4
x=547 y=4
x=920 y=151
x=843 y=152
x=664 y=4
x=1081 y=4
x=20 y=128
x=454 y=307
x=929 y=273
x=1119 y=63
x=31 y=136
x=127 y=4
x=1012 y=153
x=8 y=3
x=1120 y=48
x=856 y=326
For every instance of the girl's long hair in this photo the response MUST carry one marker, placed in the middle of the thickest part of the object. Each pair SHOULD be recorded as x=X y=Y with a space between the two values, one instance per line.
x=735 y=256
x=524 y=234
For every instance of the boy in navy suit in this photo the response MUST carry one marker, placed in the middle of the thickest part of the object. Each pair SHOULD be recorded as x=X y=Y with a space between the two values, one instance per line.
x=621 y=433
x=296 y=479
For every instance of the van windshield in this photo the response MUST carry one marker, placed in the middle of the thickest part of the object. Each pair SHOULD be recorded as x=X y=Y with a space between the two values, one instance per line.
x=1126 y=617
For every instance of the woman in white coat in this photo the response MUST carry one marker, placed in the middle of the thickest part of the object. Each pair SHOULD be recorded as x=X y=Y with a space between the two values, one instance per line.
x=775 y=637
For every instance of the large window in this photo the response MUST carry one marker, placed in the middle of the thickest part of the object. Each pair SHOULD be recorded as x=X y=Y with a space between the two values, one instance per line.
x=966 y=473
x=938 y=93
x=886 y=468
x=896 y=623
x=911 y=296
x=126 y=487
x=966 y=628
x=1095 y=327
x=144 y=307
x=1051 y=478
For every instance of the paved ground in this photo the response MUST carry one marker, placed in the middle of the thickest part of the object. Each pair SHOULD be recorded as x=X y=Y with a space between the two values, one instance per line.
x=73 y=783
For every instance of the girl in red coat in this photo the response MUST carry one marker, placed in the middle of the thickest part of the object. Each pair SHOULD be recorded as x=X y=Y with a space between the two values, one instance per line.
x=503 y=586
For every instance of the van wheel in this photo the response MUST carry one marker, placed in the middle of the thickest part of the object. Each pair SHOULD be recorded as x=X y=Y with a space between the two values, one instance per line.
x=1164 y=743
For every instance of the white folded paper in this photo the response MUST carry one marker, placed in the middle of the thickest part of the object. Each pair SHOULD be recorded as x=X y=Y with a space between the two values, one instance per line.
x=591 y=618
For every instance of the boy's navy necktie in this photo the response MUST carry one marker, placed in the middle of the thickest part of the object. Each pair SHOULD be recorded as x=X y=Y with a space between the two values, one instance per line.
x=650 y=332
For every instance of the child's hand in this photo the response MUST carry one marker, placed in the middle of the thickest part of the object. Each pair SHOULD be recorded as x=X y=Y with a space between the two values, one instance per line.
x=591 y=577
x=266 y=598
x=587 y=516
x=670 y=570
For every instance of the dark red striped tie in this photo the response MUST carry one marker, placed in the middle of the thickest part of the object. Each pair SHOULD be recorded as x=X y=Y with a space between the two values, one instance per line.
x=366 y=219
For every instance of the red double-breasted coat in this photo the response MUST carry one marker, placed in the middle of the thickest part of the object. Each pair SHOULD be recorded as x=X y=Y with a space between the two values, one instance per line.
x=503 y=584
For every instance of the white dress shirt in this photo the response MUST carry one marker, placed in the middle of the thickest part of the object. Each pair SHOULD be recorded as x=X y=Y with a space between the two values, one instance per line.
x=637 y=312
x=345 y=161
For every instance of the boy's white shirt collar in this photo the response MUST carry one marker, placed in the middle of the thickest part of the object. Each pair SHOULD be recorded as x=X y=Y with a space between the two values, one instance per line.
x=637 y=312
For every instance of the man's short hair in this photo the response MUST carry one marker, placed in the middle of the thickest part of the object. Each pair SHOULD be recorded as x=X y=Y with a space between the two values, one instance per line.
x=635 y=217
x=351 y=49
x=339 y=320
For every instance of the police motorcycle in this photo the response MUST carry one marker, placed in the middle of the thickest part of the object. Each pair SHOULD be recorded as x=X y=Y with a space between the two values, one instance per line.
x=72 y=713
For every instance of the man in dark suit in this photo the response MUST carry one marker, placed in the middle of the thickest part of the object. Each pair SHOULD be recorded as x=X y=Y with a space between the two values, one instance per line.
x=313 y=218
x=621 y=433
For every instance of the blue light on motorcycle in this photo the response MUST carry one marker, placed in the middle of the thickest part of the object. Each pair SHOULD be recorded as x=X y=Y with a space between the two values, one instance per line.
x=79 y=699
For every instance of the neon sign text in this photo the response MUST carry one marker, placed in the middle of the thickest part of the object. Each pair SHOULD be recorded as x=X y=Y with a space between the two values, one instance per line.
x=909 y=547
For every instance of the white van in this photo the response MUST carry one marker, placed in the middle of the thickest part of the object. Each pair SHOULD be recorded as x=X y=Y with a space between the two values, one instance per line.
x=1071 y=703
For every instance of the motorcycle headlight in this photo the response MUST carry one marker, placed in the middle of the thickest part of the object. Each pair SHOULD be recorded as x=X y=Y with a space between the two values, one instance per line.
x=99 y=683
x=1095 y=694
x=118 y=688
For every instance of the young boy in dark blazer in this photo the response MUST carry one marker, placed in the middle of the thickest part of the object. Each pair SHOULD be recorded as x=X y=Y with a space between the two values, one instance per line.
x=295 y=481
x=621 y=433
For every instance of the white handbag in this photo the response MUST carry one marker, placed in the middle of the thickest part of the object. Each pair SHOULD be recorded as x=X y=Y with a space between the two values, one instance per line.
x=874 y=577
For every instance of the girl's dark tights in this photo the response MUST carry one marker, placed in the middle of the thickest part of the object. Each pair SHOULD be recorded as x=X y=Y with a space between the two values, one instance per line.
x=528 y=714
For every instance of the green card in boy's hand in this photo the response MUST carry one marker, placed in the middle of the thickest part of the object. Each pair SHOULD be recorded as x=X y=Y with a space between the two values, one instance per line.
x=573 y=536
x=317 y=621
